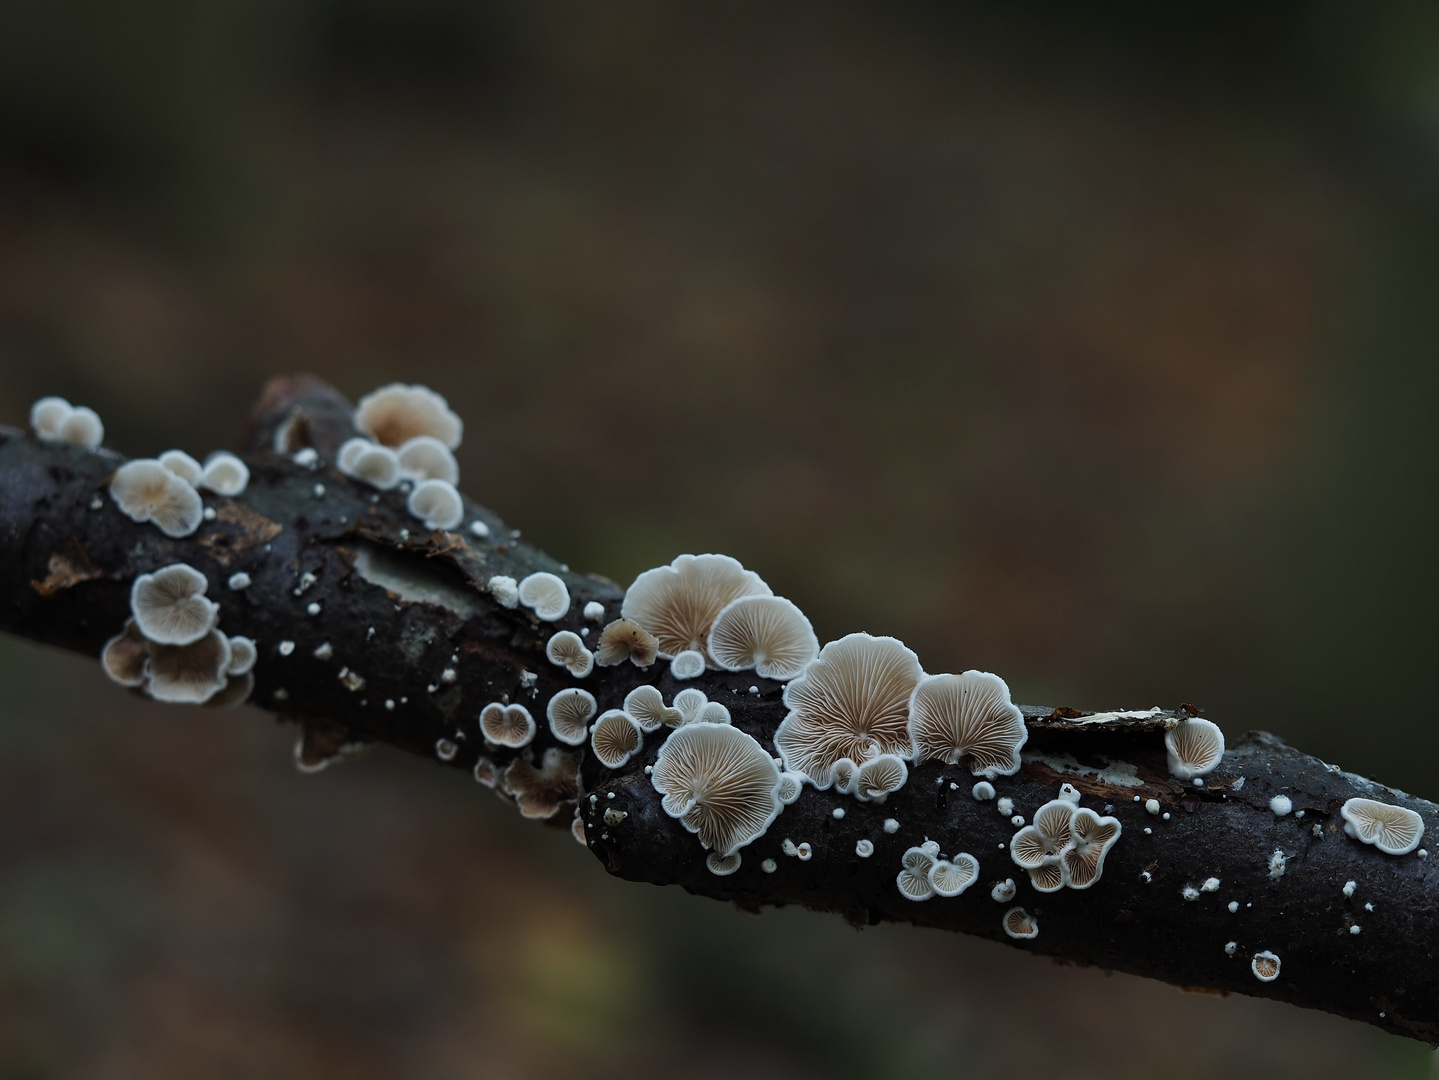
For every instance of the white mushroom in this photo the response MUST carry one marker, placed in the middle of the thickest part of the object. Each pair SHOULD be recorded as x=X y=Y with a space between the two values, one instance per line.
x=713 y=713
x=625 y=639
x=82 y=428
x=1265 y=966
x=615 y=738
x=878 y=777
x=46 y=416
x=507 y=725
x=486 y=772
x=982 y=791
x=1195 y=747
x=766 y=633
x=719 y=782
x=378 y=466
x=570 y=712
x=688 y=664
x=722 y=865
x=1019 y=923
x=950 y=877
x=182 y=465
x=224 y=474
x=1394 y=830
x=505 y=590
x=437 y=504
x=169 y=605
x=243 y=655
x=1092 y=837
x=679 y=603
x=864 y=848
x=853 y=701
x=426 y=458
x=913 y=880
x=594 y=611
x=397 y=413
x=188 y=674
x=1281 y=805
x=646 y=707
x=790 y=786
x=123 y=657
x=540 y=793
x=349 y=453
x=688 y=703
x=566 y=649
x=841 y=775
x=546 y=595
x=145 y=490
x=957 y=717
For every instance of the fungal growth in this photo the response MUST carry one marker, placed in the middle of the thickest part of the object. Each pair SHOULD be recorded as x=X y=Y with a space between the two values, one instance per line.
x=790 y=787
x=1064 y=846
x=1265 y=966
x=145 y=490
x=841 y=775
x=1019 y=923
x=566 y=649
x=569 y=713
x=377 y=466
x=913 y=881
x=950 y=877
x=719 y=782
x=625 y=639
x=124 y=655
x=1195 y=747
x=722 y=865
x=688 y=664
x=765 y=633
x=615 y=738
x=679 y=603
x=546 y=595
x=395 y=414
x=878 y=777
x=55 y=420
x=439 y=506
x=169 y=606
x=224 y=474
x=967 y=717
x=646 y=707
x=507 y=725
x=543 y=792
x=182 y=465
x=1394 y=830
x=243 y=655
x=851 y=702
x=505 y=590
x=426 y=458
x=188 y=674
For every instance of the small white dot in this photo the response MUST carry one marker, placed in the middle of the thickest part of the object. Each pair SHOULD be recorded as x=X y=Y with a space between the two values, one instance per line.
x=1165 y=815
x=389 y=705
x=97 y=503
x=837 y=812
x=286 y=648
x=769 y=866
x=890 y=825
x=479 y=528
x=1148 y=831
x=319 y=491
x=208 y=513
x=609 y=795
x=313 y=608
x=1233 y=906
x=1354 y=929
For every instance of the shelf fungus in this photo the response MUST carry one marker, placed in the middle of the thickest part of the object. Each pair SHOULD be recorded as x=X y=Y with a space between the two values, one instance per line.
x=615 y=738
x=679 y=603
x=913 y=880
x=542 y=792
x=546 y=595
x=1195 y=747
x=169 y=605
x=395 y=414
x=719 y=783
x=569 y=713
x=646 y=707
x=625 y=639
x=851 y=702
x=224 y=474
x=967 y=718
x=1265 y=966
x=878 y=777
x=439 y=505
x=950 y=877
x=1064 y=846
x=566 y=649
x=145 y=490
x=1019 y=923
x=1394 y=830
x=765 y=633
x=426 y=458
x=507 y=725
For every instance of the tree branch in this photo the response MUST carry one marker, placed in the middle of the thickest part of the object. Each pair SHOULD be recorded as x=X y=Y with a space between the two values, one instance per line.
x=407 y=645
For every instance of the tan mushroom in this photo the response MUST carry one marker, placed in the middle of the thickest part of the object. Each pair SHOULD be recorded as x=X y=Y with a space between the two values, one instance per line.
x=765 y=633
x=1195 y=747
x=123 y=658
x=1394 y=830
x=615 y=738
x=969 y=717
x=719 y=782
x=625 y=639
x=566 y=649
x=679 y=603
x=145 y=490
x=395 y=414
x=169 y=605
x=569 y=713
x=540 y=793
x=507 y=725
x=188 y=674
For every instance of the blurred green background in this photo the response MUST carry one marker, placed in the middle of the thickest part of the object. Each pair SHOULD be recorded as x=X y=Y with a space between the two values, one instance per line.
x=1090 y=344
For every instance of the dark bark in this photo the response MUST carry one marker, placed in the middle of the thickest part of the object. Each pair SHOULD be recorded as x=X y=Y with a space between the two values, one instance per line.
x=67 y=558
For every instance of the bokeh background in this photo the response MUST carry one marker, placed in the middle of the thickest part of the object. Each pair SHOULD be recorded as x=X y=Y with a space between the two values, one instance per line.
x=1090 y=344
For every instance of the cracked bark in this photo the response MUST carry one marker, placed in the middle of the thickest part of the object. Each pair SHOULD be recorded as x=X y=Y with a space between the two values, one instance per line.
x=417 y=647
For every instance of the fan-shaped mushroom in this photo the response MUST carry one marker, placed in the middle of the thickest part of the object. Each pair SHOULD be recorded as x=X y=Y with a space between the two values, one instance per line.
x=540 y=793
x=679 y=603
x=507 y=725
x=169 y=605
x=969 y=716
x=243 y=655
x=182 y=465
x=426 y=458
x=615 y=738
x=1019 y=923
x=46 y=416
x=913 y=880
x=378 y=466
x=1394 y=830
x=1092 y=836
x=123 y=657
x=950 y=877
x=1195 y=747
x=790 y=786
x=719 y=782
x=224 y=474
x=569 y=713
x=625 y=639
x=395 y=414
x=878 y=777
x=646 y=707
x=766 y=633
x=722 y=865
x=188 y=674
x=566 y=649
x=437 y=504
x=1265 y=966
x=145 y=490
x=546 y=595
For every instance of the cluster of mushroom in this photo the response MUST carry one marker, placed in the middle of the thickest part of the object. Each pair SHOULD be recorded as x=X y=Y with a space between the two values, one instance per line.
x=1065 y=845
x=166 y=490
x=55 y=420
x=926 y=873
x=172 y=648
x=410 y=435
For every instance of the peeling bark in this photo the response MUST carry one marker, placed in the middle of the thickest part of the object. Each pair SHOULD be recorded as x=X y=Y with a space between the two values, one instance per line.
x=407 y=646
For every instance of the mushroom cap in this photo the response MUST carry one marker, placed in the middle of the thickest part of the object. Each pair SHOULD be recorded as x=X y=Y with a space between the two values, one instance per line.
x=1265 y=966
x=486 y=772
x=395 y=414
x=507 y=725
x=1048 y=877
x=689 y=702
x=123 y=657
x=46 y=416
x=1195 y=747
x=236 y=691
x=188 y=674
x=570 y=712
x=182 y=465
x=1041 y=842
x=615 y=738
x=646 y=707
x=243 y=655
x=349 y=453
x=790 y=786
x=426 y=458
x=375 y=465
x=719 y=782
x=625 y=639
x=437 y=503
x=950 y=877
x=878 y=777
x=952 y=717
x=1394 y=830
x=1092 y=837
x=722 y=865
x=679 y=603
x=852 y=701
x=1019 y=923
x=224 y=474
x=566 y=649
x=540 y=793
x=82 y=428
x=766 y=633
x=841 y=775
x=688 y=664
x=713 y=713
x=982 y=791
x=145 y=490
x=913 y=880
x=169 y=605
x=546 y=594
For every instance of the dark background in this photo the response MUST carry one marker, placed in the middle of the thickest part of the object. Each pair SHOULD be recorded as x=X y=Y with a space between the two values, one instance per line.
x=1084 y=344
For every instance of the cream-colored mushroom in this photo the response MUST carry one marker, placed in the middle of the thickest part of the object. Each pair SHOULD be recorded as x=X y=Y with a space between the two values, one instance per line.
x=841 y=775
x=182 y=465
x=188 y=674
x=1195 y=747
x=646 y=707
x=625 y=639
x=437 y=504
x=878 y=777
x=377 y=466
x=546 y=595
x=688 y=664
x=722 y=865
x=950 y=877
x=507 y=725
x=236 y=691
x=1091 y=838
x=570 y=712
x=1019 y=923
x=349 y=453
x=123 y=657
x=679 y=603
x=969 y=717
x=243 y=655
x=566 y=649
x=913 y=880
x=689 y=702
x=169 y=605
x=615 y=738
x=1394 y=830
x=790 y=786
x=46 y=416
x=765 y=633
x=83 y=428
x=426 y=458
x=145 y=490
x=541 y=793
x=1265 y=966
x=719 y=782
x=852 y=701
x=224 y=474
x=395 y=414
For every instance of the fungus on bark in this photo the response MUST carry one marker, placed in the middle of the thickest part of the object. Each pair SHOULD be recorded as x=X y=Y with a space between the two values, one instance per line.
x=224 y=474
x=395 y=414
x=1265 y=966
x=878 y=777
x=377 y=466
x=968 y=716
x=569 y=713
x=437 y=503
x=426 y=458
x=625 y=639
x=169 y=605
x=950 y=877
x=243 y=655
x=1091 y=838
x=841 y=775
x=913 y=880
x=566 y=649
x=507 y=725
x=679 y=603
x=790 y=787
x=182 y=465
x=188 y=674
x=1195 y=747
x=765 y=633
x=615 y=738
x=851 y=702
x=546 y=595
x=719 y=782
x=1394 y=830
x=1019 y=923
x=646 y=707
x=236 y=691
x=46 y=416
x=541 y=793
x=56 y=420
x=145 y=490
x=688 y=703
x=688 y=664
x=123 y=657
x=722 y=865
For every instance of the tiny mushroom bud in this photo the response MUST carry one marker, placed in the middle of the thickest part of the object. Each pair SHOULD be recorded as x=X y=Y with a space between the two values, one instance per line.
x=224 y=474
x=565 y=649
x=507 y=725
x=182 y=465
x=546 y=595
x=505 y=590
x=1005 y=806
x=1019 y=923
x=1281 y=805
x=377 y=466
x=188 y=674
x=46 y=416
x=719 y=782
x=426 y=458
x=890 y=825
x=615 y=738
x=169 y=605
x=1194 y=748
x=395 y=414
x=1004 y=891
x=145 y=490
x=239 y=580
x=594 y=611
x=437 y=504
x=82 y=428
x=1394 y=830
x=570 y=712
x=688 y=664
x=765 y=633
x=969 y=717
x=1265 y=966
x=983 y=791
x=123 y=658
x=625 y=639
